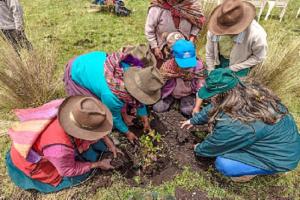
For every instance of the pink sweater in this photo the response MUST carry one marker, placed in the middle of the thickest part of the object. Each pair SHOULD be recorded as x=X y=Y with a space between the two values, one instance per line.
x=63 y=159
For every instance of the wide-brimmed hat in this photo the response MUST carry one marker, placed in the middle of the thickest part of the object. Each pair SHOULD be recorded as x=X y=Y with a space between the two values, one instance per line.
x=144 y=84
x=184 y=53
x=85 y=118
x=231 y=17
x=143 y=53
x=218 y=81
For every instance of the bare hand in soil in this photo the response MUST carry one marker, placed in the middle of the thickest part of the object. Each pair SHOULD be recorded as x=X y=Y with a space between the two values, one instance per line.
x=111 y=146
x=128 y=119
x=118 y=151
x=131 y=137
x=103 y=164
x=146 y=124
x=115 y=151
x=186 y=124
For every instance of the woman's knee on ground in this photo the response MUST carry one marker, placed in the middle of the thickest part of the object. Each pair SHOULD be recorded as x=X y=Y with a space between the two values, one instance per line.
x=224 y=167
x=162 y=106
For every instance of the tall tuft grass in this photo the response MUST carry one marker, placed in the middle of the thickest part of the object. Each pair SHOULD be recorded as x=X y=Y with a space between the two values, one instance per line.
x=27 y=79
x=207 y=7
x=281 y=69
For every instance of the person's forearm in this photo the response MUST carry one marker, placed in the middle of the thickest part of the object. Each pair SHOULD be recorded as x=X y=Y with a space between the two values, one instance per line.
x=63 y=159
x=109 y=143
x=121 y=126
x=251 y=62
x=198 y=103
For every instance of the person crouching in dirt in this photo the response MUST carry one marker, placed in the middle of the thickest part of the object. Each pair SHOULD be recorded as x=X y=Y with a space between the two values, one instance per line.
x=234 y=39
x=118 y=6
x=184 y=76
x=12 y=25
x=118 y=80
x=56 y=146
x=185 y=16
x=252 y=132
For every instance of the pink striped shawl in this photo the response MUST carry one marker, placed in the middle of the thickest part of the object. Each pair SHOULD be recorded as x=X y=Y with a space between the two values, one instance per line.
x=32 y=123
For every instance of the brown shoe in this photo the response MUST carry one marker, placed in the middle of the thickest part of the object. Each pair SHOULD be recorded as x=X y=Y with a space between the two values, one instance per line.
x=242 y=179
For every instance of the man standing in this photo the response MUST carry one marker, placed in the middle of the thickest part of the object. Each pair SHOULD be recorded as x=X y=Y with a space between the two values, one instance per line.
x=11 y=24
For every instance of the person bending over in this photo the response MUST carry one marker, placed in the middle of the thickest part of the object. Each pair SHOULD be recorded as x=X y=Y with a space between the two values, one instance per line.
x=252 y=132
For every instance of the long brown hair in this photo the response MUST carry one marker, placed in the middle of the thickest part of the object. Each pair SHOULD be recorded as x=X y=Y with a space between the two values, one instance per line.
x=247 y=103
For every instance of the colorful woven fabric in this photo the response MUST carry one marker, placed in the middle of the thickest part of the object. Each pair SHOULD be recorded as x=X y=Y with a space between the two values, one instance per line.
x=114 y=74
x=188 y=9
x=170 y=70
x=32 y=123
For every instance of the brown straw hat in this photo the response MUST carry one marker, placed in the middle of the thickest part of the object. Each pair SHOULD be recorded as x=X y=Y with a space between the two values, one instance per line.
x=143 y=53
x=85 y=118
x=231 y=17
x=144 y=84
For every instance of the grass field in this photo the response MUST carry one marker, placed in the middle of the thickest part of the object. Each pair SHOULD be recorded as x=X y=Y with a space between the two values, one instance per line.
x=65 y=27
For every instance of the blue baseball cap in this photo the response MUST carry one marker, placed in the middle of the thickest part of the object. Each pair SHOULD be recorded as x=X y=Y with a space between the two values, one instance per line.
x=185 y=53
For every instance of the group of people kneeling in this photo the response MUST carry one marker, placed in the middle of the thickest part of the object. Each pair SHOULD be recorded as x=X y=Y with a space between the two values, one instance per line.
x=55 y=146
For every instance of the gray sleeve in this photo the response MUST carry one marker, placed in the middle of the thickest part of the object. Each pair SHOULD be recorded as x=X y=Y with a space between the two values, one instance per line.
x=16 y=9
x=210 y=54
x=151 y=25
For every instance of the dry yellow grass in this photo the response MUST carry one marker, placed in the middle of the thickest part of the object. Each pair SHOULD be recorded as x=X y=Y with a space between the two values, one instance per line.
x=26 y=80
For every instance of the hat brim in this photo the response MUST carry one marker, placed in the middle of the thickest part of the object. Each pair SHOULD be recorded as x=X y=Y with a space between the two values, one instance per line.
x=186 y=62
x=203 y=93
x=217 y=29
x=135 y=91
x=72 y=129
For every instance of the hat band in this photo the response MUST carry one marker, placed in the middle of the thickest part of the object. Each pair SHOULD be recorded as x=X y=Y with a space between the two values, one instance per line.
x=72 y=118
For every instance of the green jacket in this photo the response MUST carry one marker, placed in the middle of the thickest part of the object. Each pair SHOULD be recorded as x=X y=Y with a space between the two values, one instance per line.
x=271 y=147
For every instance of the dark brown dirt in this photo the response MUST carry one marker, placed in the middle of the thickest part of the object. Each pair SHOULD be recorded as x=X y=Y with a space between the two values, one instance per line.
x=180 y=142
x=182 y=194
x=176 y=152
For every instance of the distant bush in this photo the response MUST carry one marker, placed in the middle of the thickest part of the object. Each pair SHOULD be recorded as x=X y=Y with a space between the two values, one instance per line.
x=29 y=79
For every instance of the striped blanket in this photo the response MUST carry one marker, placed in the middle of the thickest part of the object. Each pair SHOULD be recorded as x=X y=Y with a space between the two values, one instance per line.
x=32 y=123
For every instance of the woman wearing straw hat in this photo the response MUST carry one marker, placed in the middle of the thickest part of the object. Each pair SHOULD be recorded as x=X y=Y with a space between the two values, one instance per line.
x=234 y=39
x=169 y=16
x=252 y=132
x=55 y=146
x=102 y=75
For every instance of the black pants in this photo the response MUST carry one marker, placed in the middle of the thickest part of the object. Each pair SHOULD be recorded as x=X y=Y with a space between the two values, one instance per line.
x=17 y=39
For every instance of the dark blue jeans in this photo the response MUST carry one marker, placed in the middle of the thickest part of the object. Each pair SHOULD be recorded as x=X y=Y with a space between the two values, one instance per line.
x=234 y=168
